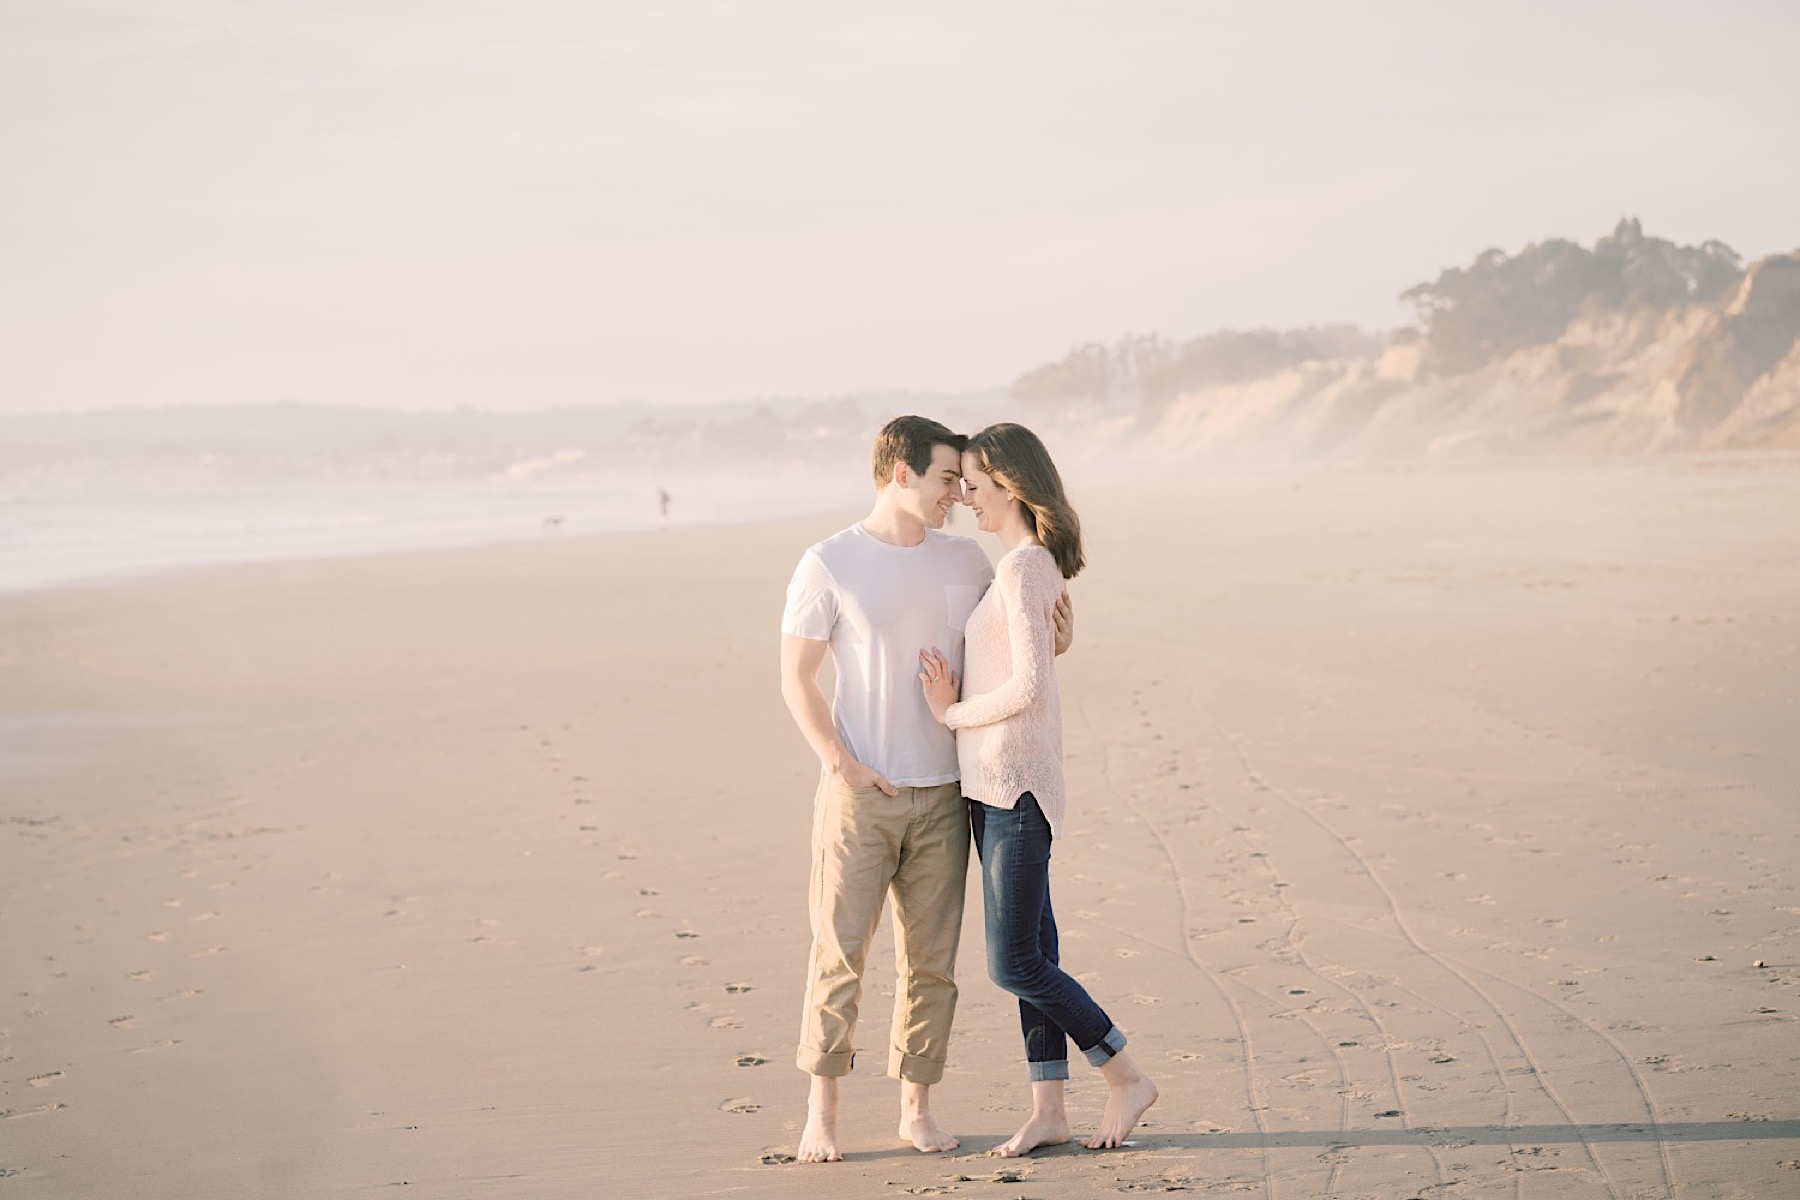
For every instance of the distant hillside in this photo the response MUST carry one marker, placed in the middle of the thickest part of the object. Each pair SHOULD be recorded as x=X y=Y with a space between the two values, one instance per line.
x=1636 y=345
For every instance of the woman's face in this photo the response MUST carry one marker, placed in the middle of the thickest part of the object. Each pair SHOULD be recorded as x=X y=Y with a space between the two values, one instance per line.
x=993 y=504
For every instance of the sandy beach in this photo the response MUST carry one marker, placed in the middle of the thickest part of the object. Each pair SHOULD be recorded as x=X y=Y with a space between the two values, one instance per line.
x=1432 y=834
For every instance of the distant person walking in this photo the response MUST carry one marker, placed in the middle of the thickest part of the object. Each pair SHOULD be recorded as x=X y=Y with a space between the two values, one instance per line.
x=662 y=504
x=1009 y=744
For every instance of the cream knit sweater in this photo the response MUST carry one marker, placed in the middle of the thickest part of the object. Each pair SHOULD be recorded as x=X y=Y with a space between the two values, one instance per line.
x=1009 y=728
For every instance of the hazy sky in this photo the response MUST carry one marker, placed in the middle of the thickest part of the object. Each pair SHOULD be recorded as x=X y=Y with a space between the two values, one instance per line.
x=518 y=203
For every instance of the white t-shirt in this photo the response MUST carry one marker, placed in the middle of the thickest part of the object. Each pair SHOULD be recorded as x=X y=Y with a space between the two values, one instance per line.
x=879 y=605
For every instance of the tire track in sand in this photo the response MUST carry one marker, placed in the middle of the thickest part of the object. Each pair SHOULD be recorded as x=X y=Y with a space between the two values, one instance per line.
x=1280 y=1005
x=1483 y=996
x=1187 y=915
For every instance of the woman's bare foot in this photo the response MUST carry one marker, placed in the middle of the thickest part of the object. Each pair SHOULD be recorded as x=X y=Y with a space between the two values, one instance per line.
x=1040 y=1130
x=916 y=1123
x=1048 y=1126
x=818 y=1141
x=1129 y=1095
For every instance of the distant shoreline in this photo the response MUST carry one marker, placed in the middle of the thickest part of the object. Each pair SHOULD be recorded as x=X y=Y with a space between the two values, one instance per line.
x=57 y=543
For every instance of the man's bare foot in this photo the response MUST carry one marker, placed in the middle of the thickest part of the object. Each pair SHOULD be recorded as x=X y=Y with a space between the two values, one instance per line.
x=1043 y=1129
x=926 y=1136
x=917 y=1124
x=819 y=1140
x=1129 y=1094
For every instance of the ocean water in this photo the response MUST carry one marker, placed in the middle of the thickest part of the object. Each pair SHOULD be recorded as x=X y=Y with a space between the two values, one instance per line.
x=94 y=534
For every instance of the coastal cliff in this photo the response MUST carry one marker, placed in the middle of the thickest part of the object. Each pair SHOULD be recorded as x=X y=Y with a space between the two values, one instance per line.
x=1636 y=346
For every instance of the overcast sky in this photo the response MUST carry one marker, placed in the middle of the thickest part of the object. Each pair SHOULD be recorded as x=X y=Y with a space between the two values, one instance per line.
x=521 y=203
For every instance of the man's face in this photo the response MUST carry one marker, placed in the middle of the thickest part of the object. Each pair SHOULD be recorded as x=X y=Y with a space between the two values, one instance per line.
x=934 y=492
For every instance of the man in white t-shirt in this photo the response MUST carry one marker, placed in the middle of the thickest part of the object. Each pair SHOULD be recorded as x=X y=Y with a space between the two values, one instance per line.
x=888 y=816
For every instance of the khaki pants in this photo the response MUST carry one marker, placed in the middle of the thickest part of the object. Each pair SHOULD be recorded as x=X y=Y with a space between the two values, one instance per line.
x=866 y=845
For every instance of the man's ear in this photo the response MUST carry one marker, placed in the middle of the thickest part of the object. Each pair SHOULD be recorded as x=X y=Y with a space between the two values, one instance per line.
x=903 y=473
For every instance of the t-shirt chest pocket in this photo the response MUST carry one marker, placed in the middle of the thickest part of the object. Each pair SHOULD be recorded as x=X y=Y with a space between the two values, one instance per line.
x=959 y=601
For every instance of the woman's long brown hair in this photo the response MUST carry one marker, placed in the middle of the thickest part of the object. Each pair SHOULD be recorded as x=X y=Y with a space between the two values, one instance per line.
x=1018 y=462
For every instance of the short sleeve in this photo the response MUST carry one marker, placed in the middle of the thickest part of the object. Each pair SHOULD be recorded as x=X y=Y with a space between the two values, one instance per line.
x=812 y=603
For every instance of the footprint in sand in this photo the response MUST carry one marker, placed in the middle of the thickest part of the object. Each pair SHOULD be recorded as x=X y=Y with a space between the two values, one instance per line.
x=124 y=1022
x=184 y=994
x=751 y=1060
x=153 y=1047
x=158 y=936
x=737 y=989
x=740 y=1106
x=208 y=952
x=208 y=915
x=725 y=1023
x=13 y=1114
x=693 y=960
x=686 y=933
x=645 y=914
x=141 y=976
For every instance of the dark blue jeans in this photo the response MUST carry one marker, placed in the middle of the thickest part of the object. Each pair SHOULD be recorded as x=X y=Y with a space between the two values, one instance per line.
x=1014 y=845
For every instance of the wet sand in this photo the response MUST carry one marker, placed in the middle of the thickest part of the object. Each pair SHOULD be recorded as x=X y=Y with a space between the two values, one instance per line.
x=1426 y=830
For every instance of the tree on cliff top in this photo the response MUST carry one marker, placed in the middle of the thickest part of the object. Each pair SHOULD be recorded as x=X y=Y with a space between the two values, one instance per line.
x=1498 y=304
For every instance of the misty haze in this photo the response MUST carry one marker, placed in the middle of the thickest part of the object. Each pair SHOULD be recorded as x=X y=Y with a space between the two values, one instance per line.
x=495 y=698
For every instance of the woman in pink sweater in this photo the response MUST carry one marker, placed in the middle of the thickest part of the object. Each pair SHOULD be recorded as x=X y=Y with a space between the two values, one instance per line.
x=1009 y=744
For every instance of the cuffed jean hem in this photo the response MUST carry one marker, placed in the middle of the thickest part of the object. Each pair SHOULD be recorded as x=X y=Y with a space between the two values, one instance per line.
x=1044 y=1072
x=1102 y=1053
x=914 y=1069
x=825 y=1062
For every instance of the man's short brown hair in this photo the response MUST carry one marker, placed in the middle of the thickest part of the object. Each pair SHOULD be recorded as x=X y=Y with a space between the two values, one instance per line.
x=909 y=440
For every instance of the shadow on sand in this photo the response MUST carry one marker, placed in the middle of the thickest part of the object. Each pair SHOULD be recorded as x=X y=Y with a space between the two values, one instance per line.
x=1420 y=1135
x=1490 y=1135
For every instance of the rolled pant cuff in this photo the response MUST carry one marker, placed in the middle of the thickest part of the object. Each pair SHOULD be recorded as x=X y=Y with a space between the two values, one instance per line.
x=914 y=1069
x=825 y=1062
x=1102 y=1053
x=1043 y=1072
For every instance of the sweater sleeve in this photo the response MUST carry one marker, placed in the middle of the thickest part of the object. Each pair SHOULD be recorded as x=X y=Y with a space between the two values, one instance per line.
x=1028 y=591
